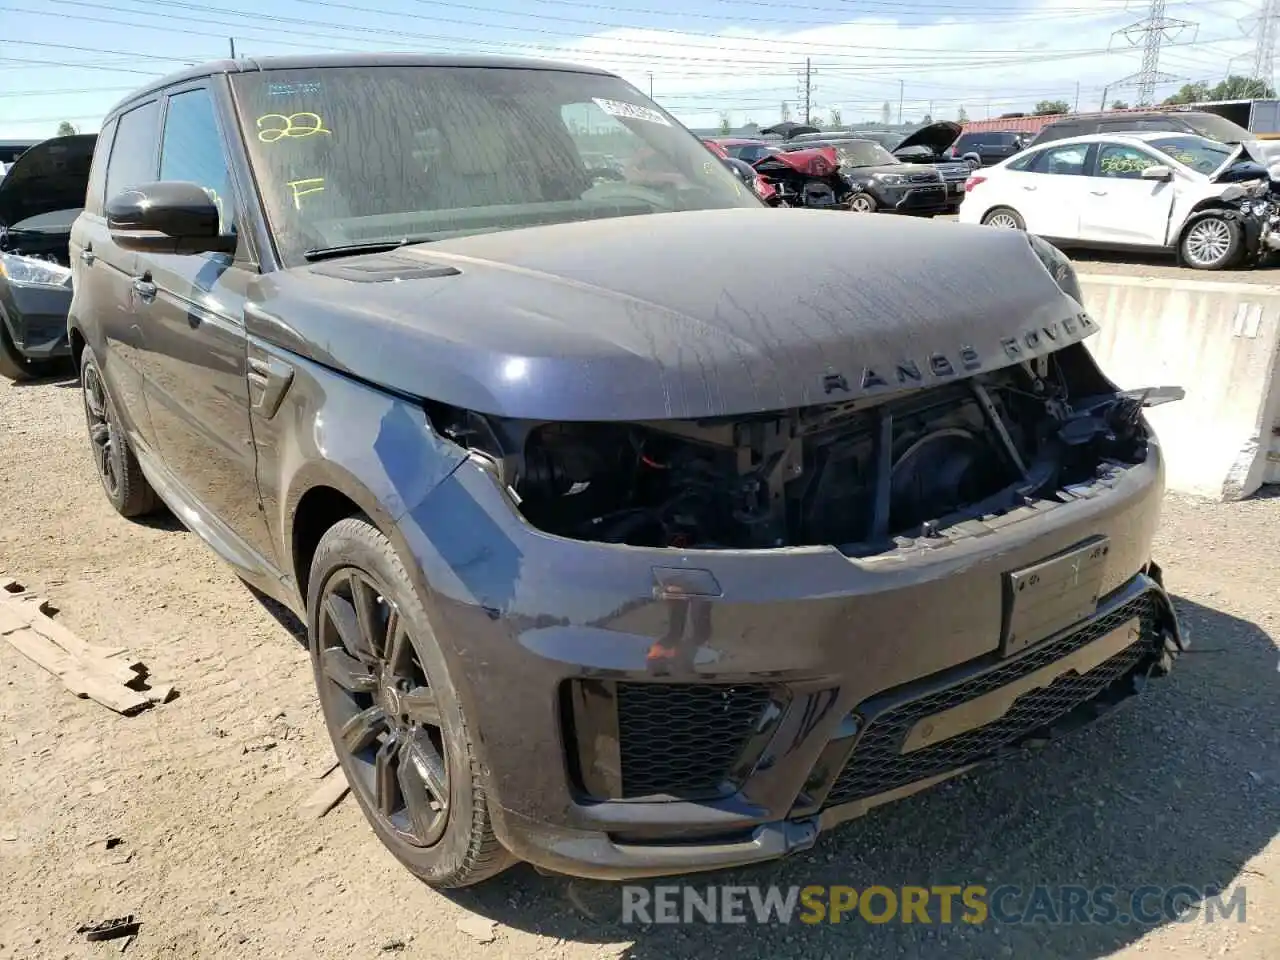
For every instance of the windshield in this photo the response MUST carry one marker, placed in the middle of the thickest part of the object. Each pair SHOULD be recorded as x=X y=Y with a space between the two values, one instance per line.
x=1203 y=156
x=347 y=155
x=861 y=153
x=1217 y=128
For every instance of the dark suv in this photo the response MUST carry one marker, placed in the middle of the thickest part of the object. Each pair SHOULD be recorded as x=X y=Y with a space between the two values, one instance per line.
x=1198 y=122
x=616 y=554
x=989 y=146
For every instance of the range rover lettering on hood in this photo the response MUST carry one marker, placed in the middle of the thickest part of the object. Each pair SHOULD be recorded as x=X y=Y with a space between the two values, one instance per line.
x=695 y=316
x=940 y=366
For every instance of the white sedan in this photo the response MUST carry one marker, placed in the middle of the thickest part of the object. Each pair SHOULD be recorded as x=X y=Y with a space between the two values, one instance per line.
x=1159 y=190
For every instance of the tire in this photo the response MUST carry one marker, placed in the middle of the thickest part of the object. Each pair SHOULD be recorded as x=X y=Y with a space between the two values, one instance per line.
x=14 y=366
x=121 y=477
x=863 y=203
x=394 y=735
x=1005 y=218
x=1211 y=242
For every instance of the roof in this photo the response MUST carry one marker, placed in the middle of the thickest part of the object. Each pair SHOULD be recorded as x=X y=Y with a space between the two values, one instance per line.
x=318 y=61
x=736 y=141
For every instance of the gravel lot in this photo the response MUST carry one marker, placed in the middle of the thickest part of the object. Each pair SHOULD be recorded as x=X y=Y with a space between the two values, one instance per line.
x=1183 y=787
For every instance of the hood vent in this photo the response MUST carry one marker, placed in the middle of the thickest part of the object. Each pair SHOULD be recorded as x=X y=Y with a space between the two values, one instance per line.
x=383 y=268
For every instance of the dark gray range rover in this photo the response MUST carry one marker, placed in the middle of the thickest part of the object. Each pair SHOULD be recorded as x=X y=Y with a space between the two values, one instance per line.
x=616 y=554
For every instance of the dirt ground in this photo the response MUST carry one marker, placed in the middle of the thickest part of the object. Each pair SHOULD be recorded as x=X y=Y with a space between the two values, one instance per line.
x=214 y=859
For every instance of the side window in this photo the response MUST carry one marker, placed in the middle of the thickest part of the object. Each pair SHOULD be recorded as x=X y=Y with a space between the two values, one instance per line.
x=96 y=194
x=1123 y=162
x=1067 y=160
x=192 y=150
x=133 y=154
x=1025 y=162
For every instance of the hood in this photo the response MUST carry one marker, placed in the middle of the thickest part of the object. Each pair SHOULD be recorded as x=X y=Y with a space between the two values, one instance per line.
x=672 y=315
x=53 y=175
x=788 y=129
x=937 y=137
x=902 y=169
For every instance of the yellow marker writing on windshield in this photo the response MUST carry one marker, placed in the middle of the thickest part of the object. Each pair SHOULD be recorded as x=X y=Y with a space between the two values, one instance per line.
x=295 y=126
x=301 y=188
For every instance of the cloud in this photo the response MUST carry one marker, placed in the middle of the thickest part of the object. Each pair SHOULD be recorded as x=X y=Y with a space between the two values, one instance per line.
x=995 y=60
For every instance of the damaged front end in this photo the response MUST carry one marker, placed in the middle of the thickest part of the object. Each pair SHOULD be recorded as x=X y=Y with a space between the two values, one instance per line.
x=865 y=475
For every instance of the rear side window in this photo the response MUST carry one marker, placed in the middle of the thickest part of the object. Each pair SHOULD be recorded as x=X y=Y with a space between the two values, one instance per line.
x=192 y=151
x=1067 y=160
x=98 y=171
x=133 y=154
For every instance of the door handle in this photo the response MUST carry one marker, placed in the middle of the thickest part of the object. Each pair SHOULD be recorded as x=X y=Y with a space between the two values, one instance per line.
x=145 y=288
x=269 y=379
x=1027 y=186
x=88 y=256
x=1098 y=193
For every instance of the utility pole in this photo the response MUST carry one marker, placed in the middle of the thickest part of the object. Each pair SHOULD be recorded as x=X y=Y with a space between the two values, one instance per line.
x=232 y=40
x=899 y=103
x=806 y=89
x=1076 y=108
x=1155 y=30
x=650 y=84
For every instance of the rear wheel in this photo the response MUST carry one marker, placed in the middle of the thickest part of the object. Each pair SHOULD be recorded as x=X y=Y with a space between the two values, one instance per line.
x=14 y=366
x=1005 y=218
x=1212 y=243
x=393 y=713
x=122 y=478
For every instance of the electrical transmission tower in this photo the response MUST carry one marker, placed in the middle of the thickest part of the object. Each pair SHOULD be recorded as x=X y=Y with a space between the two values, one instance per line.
x=1264 y=51
x=1155 y=29
x=807 y=89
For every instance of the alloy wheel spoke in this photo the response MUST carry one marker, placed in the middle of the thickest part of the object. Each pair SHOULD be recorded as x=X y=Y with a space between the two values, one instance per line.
x=428 y=766
x=343 y=617
x=399 y=648
x=420 y=706
x=362 y=729
x=347 y=672
x=386 y=779
x=427 y=819
x=365 y=602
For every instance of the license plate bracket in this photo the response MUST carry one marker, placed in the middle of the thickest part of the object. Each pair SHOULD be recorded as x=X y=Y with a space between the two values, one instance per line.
x=1051 y=595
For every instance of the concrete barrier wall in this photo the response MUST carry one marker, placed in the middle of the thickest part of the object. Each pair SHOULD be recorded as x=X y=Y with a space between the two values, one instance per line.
x=1218 y=340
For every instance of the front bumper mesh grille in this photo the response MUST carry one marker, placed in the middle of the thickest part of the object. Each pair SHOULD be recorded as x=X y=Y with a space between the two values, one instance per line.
x=877 y=764
x=682 y=740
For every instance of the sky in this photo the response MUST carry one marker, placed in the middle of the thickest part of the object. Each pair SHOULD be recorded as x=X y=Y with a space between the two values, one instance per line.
x=702 y=59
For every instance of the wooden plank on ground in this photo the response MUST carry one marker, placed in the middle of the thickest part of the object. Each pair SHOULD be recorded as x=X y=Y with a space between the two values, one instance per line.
x=23 y=611
x=333 y=787
x=77 y=676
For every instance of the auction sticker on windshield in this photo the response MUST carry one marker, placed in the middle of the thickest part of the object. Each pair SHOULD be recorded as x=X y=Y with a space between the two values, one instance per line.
x=630 y=111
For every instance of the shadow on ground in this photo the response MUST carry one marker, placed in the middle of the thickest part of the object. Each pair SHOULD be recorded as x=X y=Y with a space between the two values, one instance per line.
x=1179 y=787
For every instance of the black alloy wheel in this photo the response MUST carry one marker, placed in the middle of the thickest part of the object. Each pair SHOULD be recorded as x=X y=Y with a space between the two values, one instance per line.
x=383 y=707
x=122 y=478
x=393 y=713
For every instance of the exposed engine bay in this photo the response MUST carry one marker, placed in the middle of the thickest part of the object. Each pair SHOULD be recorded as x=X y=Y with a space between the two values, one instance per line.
x=854 y=475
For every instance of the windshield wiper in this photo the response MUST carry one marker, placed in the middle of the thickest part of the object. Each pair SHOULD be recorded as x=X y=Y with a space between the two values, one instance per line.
x=364 y=246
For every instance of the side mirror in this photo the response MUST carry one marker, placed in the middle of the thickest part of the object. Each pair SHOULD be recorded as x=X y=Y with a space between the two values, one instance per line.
x=171 y=216
x=1158 y=172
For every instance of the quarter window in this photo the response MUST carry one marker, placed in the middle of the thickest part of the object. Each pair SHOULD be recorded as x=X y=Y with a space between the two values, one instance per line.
x=133 y=155
x=192 y=151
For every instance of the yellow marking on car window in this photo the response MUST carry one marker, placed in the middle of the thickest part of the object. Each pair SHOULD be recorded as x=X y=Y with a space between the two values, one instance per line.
x=302 y=188
x=294 y=126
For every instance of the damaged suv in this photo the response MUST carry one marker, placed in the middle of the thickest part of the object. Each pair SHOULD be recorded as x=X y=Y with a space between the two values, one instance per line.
x=616 y=554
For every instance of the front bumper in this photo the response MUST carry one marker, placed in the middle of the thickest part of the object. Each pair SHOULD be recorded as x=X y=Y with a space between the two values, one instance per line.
x=36 y=318
x=647 y=712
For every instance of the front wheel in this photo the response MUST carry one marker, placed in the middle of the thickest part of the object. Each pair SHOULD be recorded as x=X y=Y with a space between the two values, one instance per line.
x=1211 y=242
x=1004 y=218
x=863 y=203
x=393 y=713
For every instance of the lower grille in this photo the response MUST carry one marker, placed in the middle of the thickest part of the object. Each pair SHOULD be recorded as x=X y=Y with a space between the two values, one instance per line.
x=877 y=763
x=683 y=740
